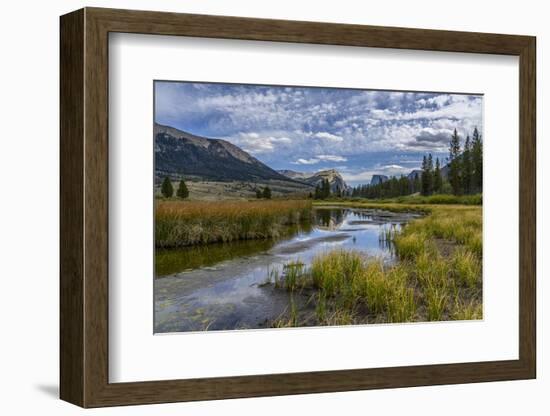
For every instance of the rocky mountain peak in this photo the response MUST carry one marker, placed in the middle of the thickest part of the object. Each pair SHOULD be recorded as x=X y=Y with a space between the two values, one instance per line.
x=334 y=178
x=378 y=179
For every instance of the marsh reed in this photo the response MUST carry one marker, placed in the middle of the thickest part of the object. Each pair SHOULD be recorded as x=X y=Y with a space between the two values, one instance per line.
x=187 y=223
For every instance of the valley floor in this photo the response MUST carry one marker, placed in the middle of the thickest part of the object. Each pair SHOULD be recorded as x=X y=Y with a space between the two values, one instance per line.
x=231 y=190
x=435 y=274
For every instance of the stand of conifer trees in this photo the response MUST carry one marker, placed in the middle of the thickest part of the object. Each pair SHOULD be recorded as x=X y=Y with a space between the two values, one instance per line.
x=464 y=174
x=266 y=193
x=322 y=190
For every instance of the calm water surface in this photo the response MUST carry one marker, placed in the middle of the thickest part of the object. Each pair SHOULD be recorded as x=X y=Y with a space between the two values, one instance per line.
x=220 y=286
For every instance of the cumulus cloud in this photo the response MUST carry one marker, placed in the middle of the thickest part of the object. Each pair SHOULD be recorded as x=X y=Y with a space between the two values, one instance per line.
x=321 y=158
x=283 y=126
x=332 y=158
x=306 y=161
x=430 y=137
x=256 y=143
x=328 y=136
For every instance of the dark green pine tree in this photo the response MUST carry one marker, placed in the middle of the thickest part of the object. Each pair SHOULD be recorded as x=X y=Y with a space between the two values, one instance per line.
x=454 y=164
x=259 y=194
x=267 y=193
x=182 y=191
x=430 y=174
x=477 y=161
x=423 y=175
x=317 y=194
x=417 y=183
x=325 y=189
x=466 y=165
x=438 y=179
x=427 y=175
x=166 y=188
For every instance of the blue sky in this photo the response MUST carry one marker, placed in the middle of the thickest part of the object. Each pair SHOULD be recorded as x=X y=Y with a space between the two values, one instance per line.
x=358 y=132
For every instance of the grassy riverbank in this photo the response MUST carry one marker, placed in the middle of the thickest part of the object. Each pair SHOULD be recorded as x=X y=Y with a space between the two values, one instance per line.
x=186 y=223
x=438 y=275
x=436 y=199
x=415 y=199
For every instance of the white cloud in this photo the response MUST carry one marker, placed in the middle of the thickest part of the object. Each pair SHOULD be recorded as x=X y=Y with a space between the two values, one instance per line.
x=447 y=106
x=281 y=139
x=236 y=100
x=366 y=175
x=306 y=161
x=328 y=136
x=332 y=158
x=320 y=158
x=282 y=123
x=257 y=143
x=439 y=100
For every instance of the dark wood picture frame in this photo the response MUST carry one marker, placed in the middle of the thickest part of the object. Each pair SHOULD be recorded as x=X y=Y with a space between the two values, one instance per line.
x=84 y=207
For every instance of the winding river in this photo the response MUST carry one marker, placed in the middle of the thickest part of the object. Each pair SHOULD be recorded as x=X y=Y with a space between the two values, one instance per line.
x=221 y=286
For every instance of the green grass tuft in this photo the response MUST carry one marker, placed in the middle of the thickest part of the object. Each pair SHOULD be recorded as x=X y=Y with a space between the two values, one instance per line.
x=466 y=267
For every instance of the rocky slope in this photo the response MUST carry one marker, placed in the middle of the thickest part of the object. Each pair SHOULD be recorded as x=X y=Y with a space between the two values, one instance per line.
x=334 y=178
x=179 y=154
x=378 y=179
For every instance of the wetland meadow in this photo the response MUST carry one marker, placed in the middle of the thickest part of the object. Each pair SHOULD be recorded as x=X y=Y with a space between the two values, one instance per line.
x=262 y=264
x=287 y=206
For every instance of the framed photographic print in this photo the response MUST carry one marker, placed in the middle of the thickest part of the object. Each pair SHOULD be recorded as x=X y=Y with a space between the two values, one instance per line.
x=256 y=207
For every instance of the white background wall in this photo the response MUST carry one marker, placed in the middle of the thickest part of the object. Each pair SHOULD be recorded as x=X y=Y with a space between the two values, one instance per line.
x=29 y=159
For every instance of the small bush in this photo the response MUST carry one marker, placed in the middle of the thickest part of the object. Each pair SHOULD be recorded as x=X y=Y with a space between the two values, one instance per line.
x=182 y=192
x=166 y=188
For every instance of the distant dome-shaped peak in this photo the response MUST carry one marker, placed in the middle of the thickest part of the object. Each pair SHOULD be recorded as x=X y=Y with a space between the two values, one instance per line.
x=328 y=172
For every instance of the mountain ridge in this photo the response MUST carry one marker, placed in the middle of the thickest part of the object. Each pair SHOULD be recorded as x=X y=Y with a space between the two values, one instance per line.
x=334 y=178
x=179 y=154
x=183 y=155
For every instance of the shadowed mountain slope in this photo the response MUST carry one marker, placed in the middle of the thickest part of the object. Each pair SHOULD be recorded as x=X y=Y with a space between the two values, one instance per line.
x=181 y=154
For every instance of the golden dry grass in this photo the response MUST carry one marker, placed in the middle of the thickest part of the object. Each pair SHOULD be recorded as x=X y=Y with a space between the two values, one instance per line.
x=184 y=223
